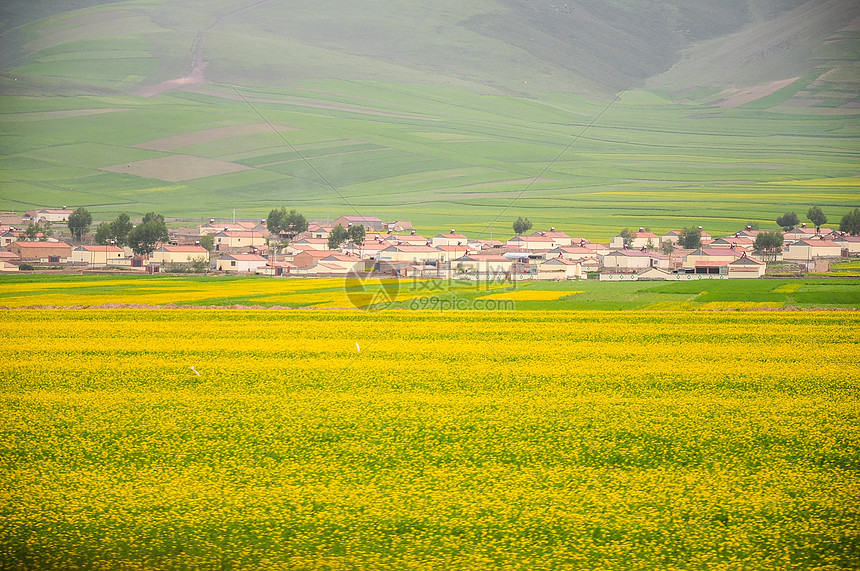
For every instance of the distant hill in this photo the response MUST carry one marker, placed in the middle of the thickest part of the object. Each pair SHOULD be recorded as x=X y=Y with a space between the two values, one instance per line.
x=451 y=114
x=498 y=46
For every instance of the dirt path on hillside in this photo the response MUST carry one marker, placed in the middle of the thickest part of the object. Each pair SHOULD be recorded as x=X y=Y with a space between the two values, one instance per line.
x=197 y=67
x=734 y=97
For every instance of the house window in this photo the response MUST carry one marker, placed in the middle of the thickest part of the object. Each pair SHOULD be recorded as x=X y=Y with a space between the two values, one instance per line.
x=54 y=259
x=232 y=262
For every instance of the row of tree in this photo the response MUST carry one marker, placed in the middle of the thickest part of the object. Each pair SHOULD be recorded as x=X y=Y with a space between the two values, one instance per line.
x=289 y=224
x=849 y=224
x=142 y=239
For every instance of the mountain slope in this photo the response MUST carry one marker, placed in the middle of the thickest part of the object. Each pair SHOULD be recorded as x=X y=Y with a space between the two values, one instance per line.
x=501 y=46
x=819 y=39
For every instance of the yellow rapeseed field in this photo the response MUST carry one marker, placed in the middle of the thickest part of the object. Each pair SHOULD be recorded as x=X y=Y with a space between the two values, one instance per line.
x=266 y=439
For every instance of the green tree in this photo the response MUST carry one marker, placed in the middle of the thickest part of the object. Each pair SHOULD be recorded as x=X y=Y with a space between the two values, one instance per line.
x=356 y=234
x=79 y=223
x=668 y=247
x=38 y=231
x=817 y=217
x=31 y=232
x=280 y=220
x=770 y=243
x=338 y=236
x=146 y=236
x=207 y=241
x=850 y=223
x=120 y=228
x=295 y=223
x=522 y=225
x=788 y=221
x=690 y=238
x=47 y=231
x=626 y=237
x=275 y=220
x=103 y=234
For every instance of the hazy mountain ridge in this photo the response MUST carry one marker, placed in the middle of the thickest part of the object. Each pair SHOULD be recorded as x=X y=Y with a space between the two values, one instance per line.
x=501 y=46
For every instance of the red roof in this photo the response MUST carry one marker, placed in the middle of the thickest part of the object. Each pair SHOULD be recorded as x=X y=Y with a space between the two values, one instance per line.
x=40 y=245
x=416 y=248
x=100 y=248
x=245 y=257
x=312 y=240
x=184 y=249
x=483 y=258
x=319 y=253
x=240 y=234
x=532 y=239
x=820 y=243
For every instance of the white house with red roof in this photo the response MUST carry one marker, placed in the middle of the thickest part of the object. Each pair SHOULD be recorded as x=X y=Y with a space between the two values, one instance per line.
x=310 y=244
x=370 y=223
x=307 y=258
x=369 y=250
x=452 y=238
x=234 y=239
x=560 y=238
x=317 y=231
x=704 y=256
x=241 y=263
x=213 y=227
x=334 y=263
x=168 y=254
x=8 y=237
x=805 y=250
x=410 y=253
x=672 y=236
x=746 y=268
x=532 y=243
x=98 y=255
x=412 y=239
x=559 y=269
x=573 y=253
x=738 y=243
x=804 y=232
x=453 y=252
x=850 y=244
x=633 y=260
x=53 y=214
x=640 y=239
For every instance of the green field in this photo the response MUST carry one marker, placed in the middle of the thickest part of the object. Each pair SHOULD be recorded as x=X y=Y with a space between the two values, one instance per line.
x=490 y=135
x=75 y=291
x=460 y=160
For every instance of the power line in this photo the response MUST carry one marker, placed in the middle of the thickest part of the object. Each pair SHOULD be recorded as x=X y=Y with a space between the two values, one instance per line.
x=555 y=160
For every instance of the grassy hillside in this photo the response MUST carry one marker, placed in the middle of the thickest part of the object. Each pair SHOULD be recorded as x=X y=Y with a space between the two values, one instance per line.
x=463 y=116
x=817 y=42
x=501 y=46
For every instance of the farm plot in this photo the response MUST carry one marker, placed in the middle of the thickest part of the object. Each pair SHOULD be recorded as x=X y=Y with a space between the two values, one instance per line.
x=470 y=440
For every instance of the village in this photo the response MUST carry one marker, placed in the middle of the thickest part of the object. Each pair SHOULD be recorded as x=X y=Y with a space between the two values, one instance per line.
x=394 y=249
